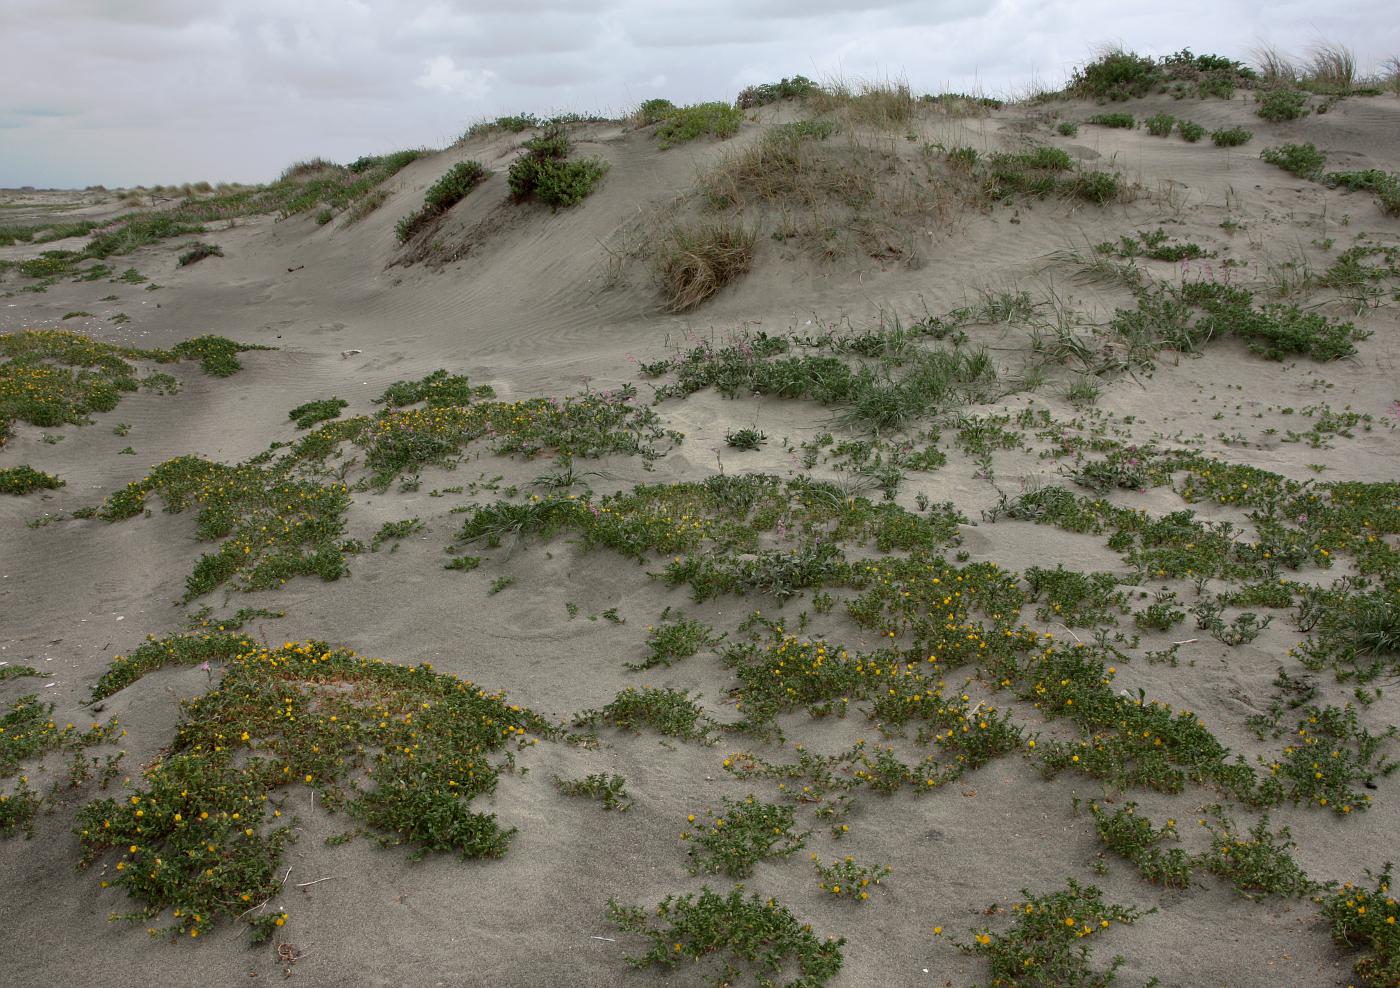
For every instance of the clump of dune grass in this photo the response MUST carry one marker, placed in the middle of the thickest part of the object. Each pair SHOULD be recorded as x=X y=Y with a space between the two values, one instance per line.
x=793 y=166
x=1276 y=67
x=883 y=104
x=1331 y=69
x=694 y=261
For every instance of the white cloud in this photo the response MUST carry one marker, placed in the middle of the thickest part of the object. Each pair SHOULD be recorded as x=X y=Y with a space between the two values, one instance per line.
x=441 y=74
x=174 y=90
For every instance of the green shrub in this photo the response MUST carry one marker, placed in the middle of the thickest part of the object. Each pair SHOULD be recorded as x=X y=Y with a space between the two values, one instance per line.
x=1117 y=75
x=797 y=87
x=1231 y=137
x=1160 y=124
x=1190 y=131
x=1369 y=920
x=198 y=252
x=1303 y=160
x=1124 y=121
x=1068 y=128
x=545 y=173
x=441 y=196
x=1277 y=105
x=759 y=933
x=23 y=479
x=654 y=111
x=689 y=122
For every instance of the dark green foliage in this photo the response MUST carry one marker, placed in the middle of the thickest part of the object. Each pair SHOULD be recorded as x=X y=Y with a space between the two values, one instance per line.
x=610 y=790
x=546 y=173
x=1256 y=862
x=1160 y=124
x=742 y=833
x=1048 y=944
x=438 y=390
x=198 y=252
x=313 y=412
x=798 y=87
x=1303 y=160
x=689 y=122
x=756 y=935
x=1130 y=834
x=1067 y=128
x=140 y=230
x=1190 y=131
x=1368 y=920
x=1278 y=105
x=441 y=196
x=1156 y=245
x=1117 y=75
x=217 y=356
x=200 y=834
x=669 y=712
x=23 y=479
x=1122 y=121
x=1230 y=137
x=654 y=111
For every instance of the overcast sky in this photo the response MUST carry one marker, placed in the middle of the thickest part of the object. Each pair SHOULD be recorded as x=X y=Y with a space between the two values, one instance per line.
x=122 y=92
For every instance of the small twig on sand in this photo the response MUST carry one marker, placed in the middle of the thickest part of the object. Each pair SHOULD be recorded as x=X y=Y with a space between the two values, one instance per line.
x=1188 y=641
x=328 y=878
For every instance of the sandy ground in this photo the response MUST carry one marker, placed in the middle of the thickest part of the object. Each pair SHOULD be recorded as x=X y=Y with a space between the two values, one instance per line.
x=532 y=308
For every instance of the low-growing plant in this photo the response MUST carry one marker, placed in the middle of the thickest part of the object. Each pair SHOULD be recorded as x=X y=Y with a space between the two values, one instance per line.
x=744 y=439
x=686 y=123
x=1278 y=105
x=1256 y=862
x=1160 y=124
x=315 y=412
x=762 y=94
x=1303 y=160
x=198 y=252
x=546 y=173
x=24 y=479
x=1190 y=131
x=1230 y=137
x=671 y=641
x=1124 y=121
x=610 y=790
x=669 y=712
x=848 y=879
x=201 y=835
x=1067 y=128
x=1368 y=919
x=740 y=834
x=1049 y=940
x=1132 y=835
x=441 y=196
x=755 y=935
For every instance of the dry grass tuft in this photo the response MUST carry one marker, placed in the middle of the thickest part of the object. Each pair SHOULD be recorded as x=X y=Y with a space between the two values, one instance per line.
x=1332 y=67
x=1391 y=70
x=883 y=104
x=792 y=170
x=694 y=261
x=1276 y=68
x=308 y=168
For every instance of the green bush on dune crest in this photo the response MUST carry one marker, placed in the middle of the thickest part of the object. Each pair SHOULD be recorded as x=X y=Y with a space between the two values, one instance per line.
x=441 y=196
x=686 y=123
x=1119 y=75
x=545 y=171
